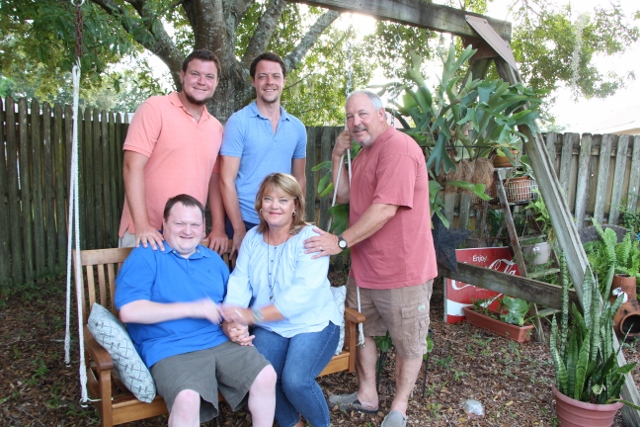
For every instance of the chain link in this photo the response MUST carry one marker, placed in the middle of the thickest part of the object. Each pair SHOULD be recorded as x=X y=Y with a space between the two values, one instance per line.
x=79 y=27
x=394 y=93
x=349 y=61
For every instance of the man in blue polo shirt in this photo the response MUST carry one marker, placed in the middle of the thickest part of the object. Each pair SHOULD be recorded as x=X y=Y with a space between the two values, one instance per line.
x=258 y=140
x=170 y=300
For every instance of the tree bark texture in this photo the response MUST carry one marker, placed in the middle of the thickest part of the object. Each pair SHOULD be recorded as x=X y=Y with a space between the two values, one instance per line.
x=215 y=27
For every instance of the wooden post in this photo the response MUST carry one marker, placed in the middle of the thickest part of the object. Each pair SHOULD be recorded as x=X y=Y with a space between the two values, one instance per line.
x=567 y=232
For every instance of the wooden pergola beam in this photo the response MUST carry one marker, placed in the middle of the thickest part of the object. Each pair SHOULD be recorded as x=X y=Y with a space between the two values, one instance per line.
x=416 y=13
x=516 y=286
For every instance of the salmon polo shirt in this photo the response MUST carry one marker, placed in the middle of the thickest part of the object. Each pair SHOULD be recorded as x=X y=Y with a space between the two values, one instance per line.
x=182 y=154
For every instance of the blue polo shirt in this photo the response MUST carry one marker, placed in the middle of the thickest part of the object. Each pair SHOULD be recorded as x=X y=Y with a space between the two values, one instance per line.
x=166 y=277
x=249 y=136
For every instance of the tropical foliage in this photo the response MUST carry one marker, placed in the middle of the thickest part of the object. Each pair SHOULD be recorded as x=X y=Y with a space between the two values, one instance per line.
x=508 y=309
x=472 y=117
x=607 y=251
x=582 y=348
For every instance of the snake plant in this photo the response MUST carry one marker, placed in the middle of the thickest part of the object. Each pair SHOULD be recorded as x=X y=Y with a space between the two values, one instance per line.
x=582 y=348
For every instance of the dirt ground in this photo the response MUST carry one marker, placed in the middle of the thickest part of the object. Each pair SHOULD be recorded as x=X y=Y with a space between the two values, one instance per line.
x=512 y=381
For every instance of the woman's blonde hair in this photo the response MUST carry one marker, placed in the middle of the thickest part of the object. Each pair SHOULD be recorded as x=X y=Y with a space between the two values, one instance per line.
x=288 y=185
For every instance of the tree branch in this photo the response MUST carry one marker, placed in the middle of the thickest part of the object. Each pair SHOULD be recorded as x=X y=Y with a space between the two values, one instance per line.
x=264 y=31
x=147 y=29
x=293 y=58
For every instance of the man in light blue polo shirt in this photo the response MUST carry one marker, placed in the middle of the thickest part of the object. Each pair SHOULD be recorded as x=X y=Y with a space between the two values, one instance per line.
x=258 y=140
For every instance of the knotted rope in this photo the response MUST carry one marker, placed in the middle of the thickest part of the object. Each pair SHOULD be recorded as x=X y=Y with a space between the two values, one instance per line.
x=74 y=217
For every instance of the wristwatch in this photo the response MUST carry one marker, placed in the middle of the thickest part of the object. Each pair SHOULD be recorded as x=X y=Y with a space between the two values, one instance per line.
x=257 y=315
x=342 y=244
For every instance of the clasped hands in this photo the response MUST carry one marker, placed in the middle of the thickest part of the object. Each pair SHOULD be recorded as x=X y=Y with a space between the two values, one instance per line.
x=234 y=325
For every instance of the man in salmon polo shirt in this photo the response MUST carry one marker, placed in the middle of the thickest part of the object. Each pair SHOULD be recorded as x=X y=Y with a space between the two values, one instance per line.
x=172 y=148
x=393 y=259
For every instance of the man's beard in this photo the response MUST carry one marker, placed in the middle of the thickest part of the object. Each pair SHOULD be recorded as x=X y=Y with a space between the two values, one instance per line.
x=192 y=100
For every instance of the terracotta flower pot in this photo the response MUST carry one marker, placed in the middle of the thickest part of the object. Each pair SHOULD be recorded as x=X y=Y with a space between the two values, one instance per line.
x=573 y=413
x=507 y=330
x=503 y=161
x=627 y=319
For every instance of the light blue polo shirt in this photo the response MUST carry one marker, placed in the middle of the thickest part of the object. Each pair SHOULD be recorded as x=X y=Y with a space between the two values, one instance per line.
x=166 y=277
x=249 y=136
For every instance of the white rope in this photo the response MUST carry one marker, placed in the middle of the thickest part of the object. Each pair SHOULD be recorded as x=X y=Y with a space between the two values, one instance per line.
x=361 y=342
x=74 y=229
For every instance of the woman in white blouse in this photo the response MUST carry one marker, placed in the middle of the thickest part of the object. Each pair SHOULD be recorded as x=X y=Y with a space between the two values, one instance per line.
x=286 y=295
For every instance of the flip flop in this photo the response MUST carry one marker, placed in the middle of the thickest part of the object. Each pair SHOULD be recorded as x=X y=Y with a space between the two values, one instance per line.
x=350 y=403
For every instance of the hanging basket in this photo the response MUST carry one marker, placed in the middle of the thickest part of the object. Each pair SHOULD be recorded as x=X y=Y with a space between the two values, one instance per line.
x=491 y=192
x=520 y=189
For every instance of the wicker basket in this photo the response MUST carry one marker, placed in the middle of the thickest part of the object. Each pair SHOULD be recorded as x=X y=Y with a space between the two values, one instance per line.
x=491 y=191
x=520 y=189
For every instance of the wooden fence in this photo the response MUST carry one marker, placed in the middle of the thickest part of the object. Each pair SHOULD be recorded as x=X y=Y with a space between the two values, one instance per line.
x=35 y=179
x=34 y=183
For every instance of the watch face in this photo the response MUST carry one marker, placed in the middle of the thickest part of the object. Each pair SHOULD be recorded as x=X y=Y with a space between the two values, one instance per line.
x=342 y=244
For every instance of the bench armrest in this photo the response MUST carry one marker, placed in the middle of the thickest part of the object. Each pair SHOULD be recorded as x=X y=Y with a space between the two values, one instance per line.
x=352 y=315
x=98 y=354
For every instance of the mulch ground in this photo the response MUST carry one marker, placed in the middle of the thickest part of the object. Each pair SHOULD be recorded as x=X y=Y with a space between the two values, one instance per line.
x=512 y=381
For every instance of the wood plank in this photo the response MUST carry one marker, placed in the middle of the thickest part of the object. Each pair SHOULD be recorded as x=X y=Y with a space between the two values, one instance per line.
x=326 y=147
x=570 y=140
x=5 y=246
x=582 y=183
x=449 y=207
x=68 y=149
x=633 y=191
x=86 y=157
x=121 y=133
x=117 y=194
x=618 y=179
x=416 y=13
x=312 y=182
x=15 y=233
x=528 y=289
x=464 y=210
x=98 y=185
x=550 y=142
x=60 y=167
x=37 y=183
x=111 y=211
x=48 y=179
x=602 y=184
x=26 y=197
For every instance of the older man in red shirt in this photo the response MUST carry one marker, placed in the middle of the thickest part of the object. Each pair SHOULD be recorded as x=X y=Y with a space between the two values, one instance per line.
x=393 y=257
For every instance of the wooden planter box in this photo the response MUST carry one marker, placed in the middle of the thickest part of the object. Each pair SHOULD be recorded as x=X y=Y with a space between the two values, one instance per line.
x=507 y=330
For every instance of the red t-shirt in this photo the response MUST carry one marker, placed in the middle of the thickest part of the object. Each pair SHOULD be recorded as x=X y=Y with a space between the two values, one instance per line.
x=393 y=171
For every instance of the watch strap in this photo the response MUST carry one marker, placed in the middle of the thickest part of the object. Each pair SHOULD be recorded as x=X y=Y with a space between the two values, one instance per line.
x=257 y=315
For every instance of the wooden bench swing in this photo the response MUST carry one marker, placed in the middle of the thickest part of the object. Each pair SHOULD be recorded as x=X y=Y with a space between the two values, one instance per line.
x=114 y=402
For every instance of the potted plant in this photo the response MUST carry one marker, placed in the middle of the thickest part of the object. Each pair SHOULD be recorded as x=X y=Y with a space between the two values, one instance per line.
x=588 y=378
x=520 y=183
x=504 y=316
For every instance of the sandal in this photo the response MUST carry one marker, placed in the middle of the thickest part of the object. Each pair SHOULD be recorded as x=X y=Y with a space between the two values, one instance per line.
x=350 y=402
x=394 y=419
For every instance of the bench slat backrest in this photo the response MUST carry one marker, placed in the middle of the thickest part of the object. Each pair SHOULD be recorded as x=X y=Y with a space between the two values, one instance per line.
x=97 y=283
